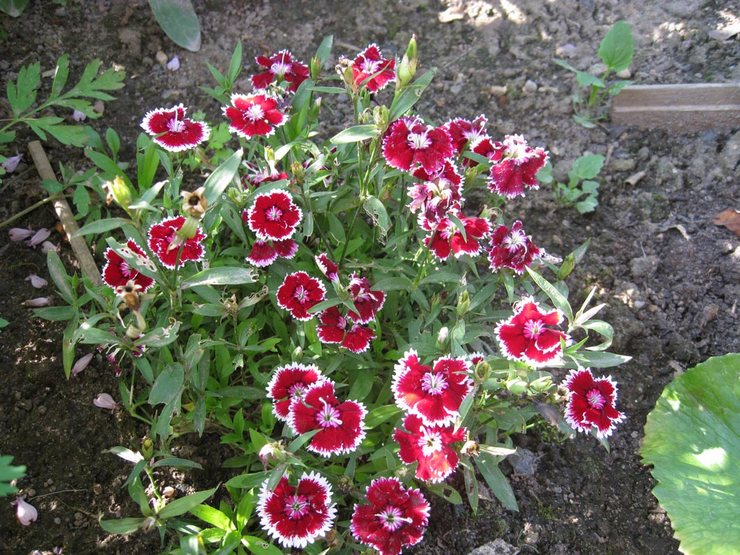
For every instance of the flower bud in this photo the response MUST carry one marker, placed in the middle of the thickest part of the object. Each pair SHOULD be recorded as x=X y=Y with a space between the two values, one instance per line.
x=149 y=524
x=271 y=452
x=463 y=303
x=147 y=448
x=81 y=364
x=187 y=231
x=297 y=354
x=482 y=370
x=104 y=401
x=381 y=115
x=442 y=337
x=315 y=68
x=194 y=203
x=119 y=191
x=407 y=67
x=25 y=512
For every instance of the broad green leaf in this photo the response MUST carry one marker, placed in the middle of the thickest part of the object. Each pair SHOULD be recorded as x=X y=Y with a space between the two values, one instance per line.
x=258 y=546
x=212 y=516
x=122 y=525
x=692 y=439
x=98 y=227
x=410 y=95
x=355 y=134
x=248 y=481
x=61 y=72
x=378 y=415
x=221 y=177
x=55 y=313
x=617 y=46
x=178 y=20
x=13 y=8
x=587 y=205
x=221 y=276
x=488 y=466
x=185 y=504
x=587 y=166
x=59 y=276
x=324 y=49
x=167 y=385
x=601 y=359
x=177 y=462
x=9 y=473
x=377 y=212
x=72 y=135
x=585 y=79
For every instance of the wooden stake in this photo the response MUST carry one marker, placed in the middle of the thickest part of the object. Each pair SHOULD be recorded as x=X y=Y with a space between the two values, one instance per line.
x=66 y=216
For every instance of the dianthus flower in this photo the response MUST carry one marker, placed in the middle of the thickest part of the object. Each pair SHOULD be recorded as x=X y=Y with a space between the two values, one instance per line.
x=171 y=130
x=528 y=336
x=367 y=301
x=409 y=143
x=273 y=215
x=466 y=134
x=339 y=424
x=281 y=66
x=433 y=393
x=264 y=253
x=253 y=115
x=591 y=402
x=394 y=516
x=327 y=267
x=514 y=166
x=297 y=515
x=170 y=248
x=256 y=176
x=430 y=447
x=371 y=70
x=298 y=293
x=436 y=194
x=512 y=248
x=291 y=382
x=117 y=273
x=336 y=329
x=447 y=239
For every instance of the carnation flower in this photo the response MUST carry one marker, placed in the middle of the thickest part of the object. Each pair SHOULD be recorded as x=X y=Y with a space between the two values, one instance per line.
x=367 y=301
x=171 y=130
x=117 y=273
x=466 y=134
x=371 y=70
x=410 y=143
x=394 y=516
x=327 y=267
x=527 y=337
x=291 y=382
x=273 y=215
x=298 y=293
x=447 y=239
x=334 y=328
x=515 y=166
x=256 y=176
x=430 y=447
x=255 y=114
x=264 y=253
x=512 y=248
x=591 y=402
x=436 y=195
x=170 y=247
x=297 y=515
x=281 y=66
x=435 y=392
x=339 y=424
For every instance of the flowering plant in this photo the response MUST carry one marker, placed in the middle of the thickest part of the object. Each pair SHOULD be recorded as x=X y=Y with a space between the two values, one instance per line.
x=363 y=333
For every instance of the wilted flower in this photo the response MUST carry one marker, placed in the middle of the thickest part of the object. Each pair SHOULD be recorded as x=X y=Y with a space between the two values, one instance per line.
x=11 y=163
x=39 y=237
x=25 y=512
x=327 y=267
x=81 y=364
x=104 y=401
x=78 y=116
x=37 y=302
x=194 y=203
x=174 y=64
x=37 y=281
x=47 y=246
x=17 y=234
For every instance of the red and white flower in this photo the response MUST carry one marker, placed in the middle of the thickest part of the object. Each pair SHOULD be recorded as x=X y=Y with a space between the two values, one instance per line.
x=371 y=70
x=466 y=134
x=436 y=194
x=256 y=176
x=447 y=239
x=170 y=247
x=171 y=130
x=367 y=301
x=433 y=393
x=273 y=215
x=515 y=166
x=291 y=382
x=430 y=447
x=254 y=115
x=528 y=336
x=409 y=143
x=592 y=402
x=117 y=273
x=327 y=267
x=394 y=516
x=298 y=293
x=339 y=424
x=337 y=329
x=297 y=515
x=512 y=248
x=264 y=253
x=281 y=66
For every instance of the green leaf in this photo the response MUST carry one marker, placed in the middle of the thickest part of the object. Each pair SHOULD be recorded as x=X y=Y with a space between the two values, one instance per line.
x=377 y=212
x=59 y=276
x=301 y=440
x=355 y=134
x=61 y=73
x=221 y=276
x=222 y=176
x=587 y=205
x=587 y=166
x=617 y=46
x=558 y=299
x=178 y=20
x=258 y=546
x=488 y=466
x=71 y=135
x=185 y=504
x=323 y=305
x=585 y=79
x=122 y=525
x=168 y=384
x=98 y=227
x=248 y=481
x=212 y=516
x=13 y=8
x=378 y=415
x=235 y=65
x=584 y=121
x=55 y=313
x=601 y=359
x=8 y=474
x=324 y=49
x=410 y=95
x=564 y=65
x=22 y=92
x=81 y=200
x=692 y=439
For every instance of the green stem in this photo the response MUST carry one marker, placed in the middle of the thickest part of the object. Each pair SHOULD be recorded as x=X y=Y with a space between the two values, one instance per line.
x=31 y=208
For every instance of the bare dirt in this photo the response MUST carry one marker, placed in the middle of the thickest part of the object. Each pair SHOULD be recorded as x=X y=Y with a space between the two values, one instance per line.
x=670 y=276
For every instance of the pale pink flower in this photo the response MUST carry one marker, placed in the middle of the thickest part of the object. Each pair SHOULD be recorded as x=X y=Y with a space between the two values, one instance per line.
x=11 y=163
x=20 y=233
x=39 y=237
x=37 y=302
x=37 y=281
x=104 y=401
x=81 y=364
x=25 y=512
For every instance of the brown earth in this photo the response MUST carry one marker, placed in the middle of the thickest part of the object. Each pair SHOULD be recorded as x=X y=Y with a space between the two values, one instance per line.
x=670 y=276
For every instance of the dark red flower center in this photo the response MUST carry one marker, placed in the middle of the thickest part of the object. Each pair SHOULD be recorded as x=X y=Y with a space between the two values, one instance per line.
x=328 y=417
x=596 y=399
x=296 y=506
x=533 y=329
x=433 y=383
x=418 y=141
x=392 y=518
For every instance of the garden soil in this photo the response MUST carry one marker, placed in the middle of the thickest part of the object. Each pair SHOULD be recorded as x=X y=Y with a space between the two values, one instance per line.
x=669 y=276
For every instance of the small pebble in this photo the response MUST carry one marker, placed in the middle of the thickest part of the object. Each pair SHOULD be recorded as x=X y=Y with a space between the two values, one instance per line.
x=566 y=50
x=161 y=57
x=57 y=520
x=624 y=74
x=529 y=87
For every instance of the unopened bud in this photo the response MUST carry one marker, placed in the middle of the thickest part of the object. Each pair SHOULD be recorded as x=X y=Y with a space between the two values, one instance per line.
x=296 y=168
x=118 y=191
x=187 y=231
x=297 y=354
x=147 y=448
x=463 y=303
x=381 y=115
x=271 y=452
x=315 y=68
x=407 y=67
x=442 y=337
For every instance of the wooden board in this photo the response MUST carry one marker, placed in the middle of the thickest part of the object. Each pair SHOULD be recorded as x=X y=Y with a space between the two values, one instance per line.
x=680 y=108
